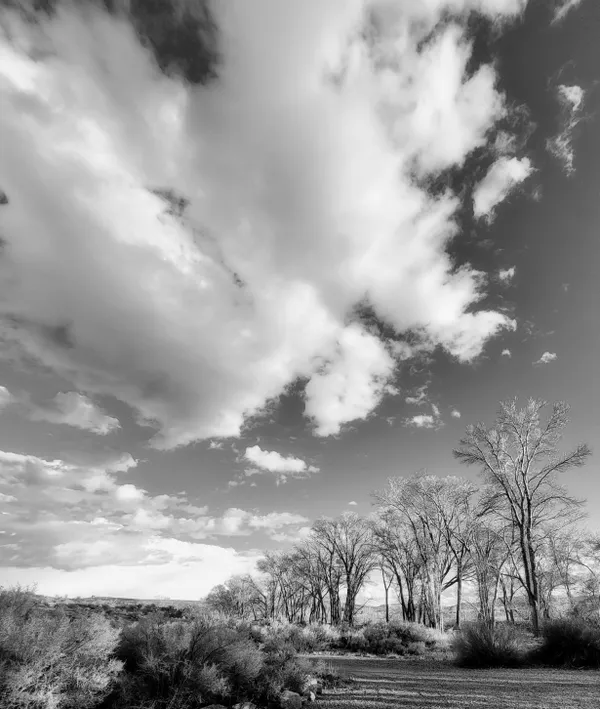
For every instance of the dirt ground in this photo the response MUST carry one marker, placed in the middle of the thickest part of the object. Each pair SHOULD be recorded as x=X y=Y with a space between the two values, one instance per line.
x=415 y=684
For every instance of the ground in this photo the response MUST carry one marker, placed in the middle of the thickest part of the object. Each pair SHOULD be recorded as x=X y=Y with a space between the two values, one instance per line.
x=433 y=684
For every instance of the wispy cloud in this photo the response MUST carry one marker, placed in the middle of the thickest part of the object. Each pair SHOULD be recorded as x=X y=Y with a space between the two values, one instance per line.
x=74 y=409
x=5 y=397
x=231 y=267
x=68 y=516
x=563 y=8
x=571 y=99
x=503 y=177
x=546 y=358
x=419 y=398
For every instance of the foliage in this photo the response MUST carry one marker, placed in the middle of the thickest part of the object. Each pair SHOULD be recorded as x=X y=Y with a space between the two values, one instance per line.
x=49 y=660
x=480 y=645
x=569 y=643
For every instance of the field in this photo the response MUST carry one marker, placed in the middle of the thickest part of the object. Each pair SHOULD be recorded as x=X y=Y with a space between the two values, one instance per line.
x=388 y=683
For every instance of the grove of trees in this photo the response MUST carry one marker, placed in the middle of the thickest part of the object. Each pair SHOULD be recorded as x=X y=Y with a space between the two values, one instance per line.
x=514 y=535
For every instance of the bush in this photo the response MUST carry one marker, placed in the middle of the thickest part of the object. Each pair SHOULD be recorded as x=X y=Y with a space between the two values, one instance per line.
x=569 y=643
x=49 y=660
x=185 y=665
x=478 y=645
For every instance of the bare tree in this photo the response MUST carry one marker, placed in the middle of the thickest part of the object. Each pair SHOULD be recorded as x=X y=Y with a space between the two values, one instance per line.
x=520 y=460
x=349 y=542
x=418 y=501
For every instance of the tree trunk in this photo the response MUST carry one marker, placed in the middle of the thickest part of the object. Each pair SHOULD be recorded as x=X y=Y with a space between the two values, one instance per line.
x=458 y=598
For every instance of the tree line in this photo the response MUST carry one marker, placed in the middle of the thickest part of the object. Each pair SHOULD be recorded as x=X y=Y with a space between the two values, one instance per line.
x=513 y=534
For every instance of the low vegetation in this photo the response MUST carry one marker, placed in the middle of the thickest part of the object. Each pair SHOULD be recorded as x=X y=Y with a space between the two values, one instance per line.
x=68 y=656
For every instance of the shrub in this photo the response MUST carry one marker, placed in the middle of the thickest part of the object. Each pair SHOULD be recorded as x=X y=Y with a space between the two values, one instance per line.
x=50 y=660
x=569 y=643
x=478 y=645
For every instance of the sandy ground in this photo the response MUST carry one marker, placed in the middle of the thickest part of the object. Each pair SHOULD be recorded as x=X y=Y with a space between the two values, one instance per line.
x=388 y=683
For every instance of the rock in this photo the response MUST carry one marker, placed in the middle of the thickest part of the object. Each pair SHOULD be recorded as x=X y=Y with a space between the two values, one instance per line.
x=290 y=700
x=245 y=705
x=215 y=706
x=310 y=686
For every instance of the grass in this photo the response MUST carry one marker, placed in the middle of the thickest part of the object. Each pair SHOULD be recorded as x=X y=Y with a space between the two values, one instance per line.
x=424 y=684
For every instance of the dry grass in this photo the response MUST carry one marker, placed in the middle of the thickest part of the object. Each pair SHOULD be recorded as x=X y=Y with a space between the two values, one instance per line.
x=416 y=684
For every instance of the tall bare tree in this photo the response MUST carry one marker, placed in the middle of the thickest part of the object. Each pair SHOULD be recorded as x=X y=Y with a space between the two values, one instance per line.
x=520 y=460
x=349 y=539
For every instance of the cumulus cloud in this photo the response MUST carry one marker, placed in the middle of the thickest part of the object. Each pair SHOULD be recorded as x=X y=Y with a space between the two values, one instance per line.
x=500 y=180
x=353 y=503
x=571 y=99
x=282 y=466
x=67 y=516
x=546 y=358
x=421 y=421
x=506 y=353
x=505 y=275
x=76 y=410
x=455 y=413
x=562 y=9
x=194 y=250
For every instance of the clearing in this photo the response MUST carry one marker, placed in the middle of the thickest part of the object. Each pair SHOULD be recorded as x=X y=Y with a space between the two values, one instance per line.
x=385 y=683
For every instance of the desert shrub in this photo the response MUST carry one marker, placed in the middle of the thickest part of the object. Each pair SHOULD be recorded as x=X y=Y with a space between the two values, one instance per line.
x=478 y=645
x=209 y=659
x=50 y=659
x=569 y=643
x=282 y=669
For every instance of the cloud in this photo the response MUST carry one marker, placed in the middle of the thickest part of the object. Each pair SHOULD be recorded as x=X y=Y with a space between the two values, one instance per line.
x=68 y=516
x=185 y=571
x=455 y=413
x=546 y=358
x=76 y=410
x=506 y=353
x=419 y=398
x=505 y=275
x=274 y=462
x=563 y=8
x=353 y=503
x=232 y=229
x=421 y=421
x=571 y=99
x=5 y=397
x=501 y=179
x=215 y=446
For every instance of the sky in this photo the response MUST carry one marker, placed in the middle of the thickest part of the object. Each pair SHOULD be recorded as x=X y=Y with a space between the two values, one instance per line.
x=259 y=258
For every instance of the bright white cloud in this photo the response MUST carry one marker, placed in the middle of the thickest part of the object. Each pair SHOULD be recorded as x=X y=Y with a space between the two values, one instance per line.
x=165 y=567
x=455 y=413
x=546 y=358
x=76 y=410
x=571 y=99
x=274 y=462
x=506 y=352
x=563 y=7
x=353 y=503
x=506 y=274
x=501 y=179
x=421 y=421
x=302 y=202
